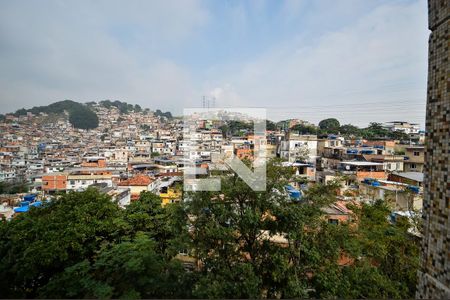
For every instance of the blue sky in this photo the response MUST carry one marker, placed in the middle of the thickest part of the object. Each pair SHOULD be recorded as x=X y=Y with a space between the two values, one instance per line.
x=359 y=61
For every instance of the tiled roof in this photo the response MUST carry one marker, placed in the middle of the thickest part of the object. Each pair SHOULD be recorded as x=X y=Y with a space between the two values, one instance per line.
x=138 y=180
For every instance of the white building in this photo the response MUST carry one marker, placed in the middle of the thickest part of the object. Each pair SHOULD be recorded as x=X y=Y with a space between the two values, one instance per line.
x=408 y=128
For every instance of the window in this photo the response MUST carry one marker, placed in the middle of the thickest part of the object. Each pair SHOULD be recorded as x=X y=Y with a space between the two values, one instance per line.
x=333 y=221
x=416 y=153
x=413 y=166
x=72 y=182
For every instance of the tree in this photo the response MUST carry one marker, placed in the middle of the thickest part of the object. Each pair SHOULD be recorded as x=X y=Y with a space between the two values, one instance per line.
x=83 y=245
x=330 y=125
x=304 y=129
x=232 y=234
x=375 y=131
x=130 y=269
x=137 y=108
x=247 y=244
x=21 y=112
x=270 y=125
x=350 y=130
x=385 y=258
x=43 y=242
x=82 y=117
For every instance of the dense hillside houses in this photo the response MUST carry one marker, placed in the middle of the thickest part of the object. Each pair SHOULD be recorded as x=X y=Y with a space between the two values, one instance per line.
x=135 y=150
x=135 y=154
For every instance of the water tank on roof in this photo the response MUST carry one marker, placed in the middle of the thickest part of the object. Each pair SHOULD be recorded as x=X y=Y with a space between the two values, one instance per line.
x=293 y=193
x=36 y=204
x=21 y=209
x=366 y=151
x=413 y=188
x=29 y=197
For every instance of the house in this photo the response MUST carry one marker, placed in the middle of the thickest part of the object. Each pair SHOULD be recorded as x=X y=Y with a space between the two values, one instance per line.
x=402 y=126
x=411 y=178
x=360 y=170
x=94 y=162
x=401 y=196
x=391 y=162
x=137 y=184
x=79 y=182
x=337 y=213
x=415 y=158
x=299 y=147
x=54 y=182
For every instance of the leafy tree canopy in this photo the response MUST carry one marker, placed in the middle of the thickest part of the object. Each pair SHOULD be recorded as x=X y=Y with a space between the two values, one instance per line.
x=330 y=124
x=245 y=244
x=80 y=115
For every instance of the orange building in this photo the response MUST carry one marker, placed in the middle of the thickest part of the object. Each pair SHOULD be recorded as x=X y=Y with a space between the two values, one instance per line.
x=53 y=183
x=94 y=162
x=137 y=184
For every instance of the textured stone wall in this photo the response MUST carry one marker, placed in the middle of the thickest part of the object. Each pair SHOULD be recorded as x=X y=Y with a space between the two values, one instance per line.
x=434 y=275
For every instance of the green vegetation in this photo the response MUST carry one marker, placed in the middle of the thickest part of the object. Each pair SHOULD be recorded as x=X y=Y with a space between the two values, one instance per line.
x=234 y=128
x=85 y=246
x=123 y=107
x=374 y=131
x=271 y=125
x=13 y=187
x=305 y=129
x=330 y=125
x=80 y=115
x=167 y=114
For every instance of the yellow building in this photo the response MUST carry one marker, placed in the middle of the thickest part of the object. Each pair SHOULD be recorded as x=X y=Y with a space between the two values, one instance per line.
x=170 y=195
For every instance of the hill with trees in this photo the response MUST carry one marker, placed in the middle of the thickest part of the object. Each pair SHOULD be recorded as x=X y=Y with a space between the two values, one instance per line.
x=80 y=115
x=332 y=126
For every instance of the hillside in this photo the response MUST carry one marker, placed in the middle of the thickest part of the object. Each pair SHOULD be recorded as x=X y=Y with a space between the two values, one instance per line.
x=80 y=115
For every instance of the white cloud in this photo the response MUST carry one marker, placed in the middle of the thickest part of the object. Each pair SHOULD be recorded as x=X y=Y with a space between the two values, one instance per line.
x=355 y=52
x=380 y=57
x=53 y=50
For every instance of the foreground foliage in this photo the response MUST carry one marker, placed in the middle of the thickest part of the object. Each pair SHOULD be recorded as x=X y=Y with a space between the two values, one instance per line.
x=85 y=246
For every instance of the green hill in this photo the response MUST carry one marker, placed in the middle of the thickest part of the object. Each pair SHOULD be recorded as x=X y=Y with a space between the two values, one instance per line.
x=80 y=115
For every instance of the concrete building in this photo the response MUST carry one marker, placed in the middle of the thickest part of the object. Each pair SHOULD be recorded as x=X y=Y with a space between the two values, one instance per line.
x=415 y=158
x=434 y=274
x=405 y=127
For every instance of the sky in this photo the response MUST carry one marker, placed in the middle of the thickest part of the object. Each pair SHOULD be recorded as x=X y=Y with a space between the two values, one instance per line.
x=358 y=61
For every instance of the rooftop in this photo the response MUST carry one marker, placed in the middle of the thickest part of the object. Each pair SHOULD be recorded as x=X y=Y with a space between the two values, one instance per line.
x=416 y=176
x=138 y=180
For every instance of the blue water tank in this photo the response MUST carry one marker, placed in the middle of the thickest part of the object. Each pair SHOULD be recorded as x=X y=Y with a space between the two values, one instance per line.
x=21 y=209
x=29 y=197
x=413 y=188
x=293 y=193
x=36 y=204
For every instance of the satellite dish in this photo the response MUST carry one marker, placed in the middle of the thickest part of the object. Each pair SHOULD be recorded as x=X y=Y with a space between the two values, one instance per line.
x=347 y=167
